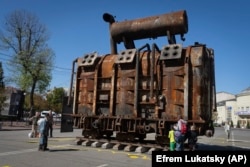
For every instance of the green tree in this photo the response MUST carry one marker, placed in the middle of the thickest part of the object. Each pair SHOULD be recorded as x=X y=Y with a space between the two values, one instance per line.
x=2 y=89
x=40 y=102
x=55 y=99
x=26 y=38
x=248 y=125
x=238 y=124
x=232 y=123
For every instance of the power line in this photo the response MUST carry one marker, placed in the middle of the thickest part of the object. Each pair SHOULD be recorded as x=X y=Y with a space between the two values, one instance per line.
x=4 y=59
x=56 y=72
x=5 y=54
x=62 y=68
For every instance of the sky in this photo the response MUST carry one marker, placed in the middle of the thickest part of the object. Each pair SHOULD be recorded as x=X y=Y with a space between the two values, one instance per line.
x=76 y=28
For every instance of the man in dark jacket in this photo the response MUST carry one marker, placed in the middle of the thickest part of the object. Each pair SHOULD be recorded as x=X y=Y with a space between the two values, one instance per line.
x=44 y=132
x=51 y=122
x=192 y=138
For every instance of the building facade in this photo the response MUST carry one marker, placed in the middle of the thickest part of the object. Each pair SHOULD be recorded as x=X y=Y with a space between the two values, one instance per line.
x=235 y=108
x=13 y=105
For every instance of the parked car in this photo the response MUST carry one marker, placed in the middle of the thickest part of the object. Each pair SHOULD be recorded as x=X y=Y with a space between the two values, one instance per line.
x=56 y=117
x=217 y=125
x=43 y=113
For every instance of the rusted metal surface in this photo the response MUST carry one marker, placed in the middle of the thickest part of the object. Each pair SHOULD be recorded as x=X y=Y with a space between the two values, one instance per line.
x=186 y=85
x=141 y=90
x=150 y=27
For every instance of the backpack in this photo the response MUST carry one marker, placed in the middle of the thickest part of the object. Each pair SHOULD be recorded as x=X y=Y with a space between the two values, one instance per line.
x=183 y=128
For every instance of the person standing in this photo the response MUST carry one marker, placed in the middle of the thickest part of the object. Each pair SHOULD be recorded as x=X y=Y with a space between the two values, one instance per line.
x=227 y=130
x=44 y=132
x=192 y=138
x=34 y=121
x=171 y=138
x=51 y=122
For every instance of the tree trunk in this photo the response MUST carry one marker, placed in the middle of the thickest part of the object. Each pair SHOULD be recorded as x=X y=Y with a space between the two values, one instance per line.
x=32 y=111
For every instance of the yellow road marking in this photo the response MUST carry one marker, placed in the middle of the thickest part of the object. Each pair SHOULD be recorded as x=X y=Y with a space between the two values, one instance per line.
x=132 y=156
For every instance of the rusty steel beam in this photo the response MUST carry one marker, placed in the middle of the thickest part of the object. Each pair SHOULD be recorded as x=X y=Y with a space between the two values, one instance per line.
x=150 y=27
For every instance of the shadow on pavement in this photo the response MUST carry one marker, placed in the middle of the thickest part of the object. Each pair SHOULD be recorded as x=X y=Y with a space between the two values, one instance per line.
x=68 y=149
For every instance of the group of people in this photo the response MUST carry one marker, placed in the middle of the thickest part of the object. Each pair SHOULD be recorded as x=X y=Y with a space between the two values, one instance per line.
x=178 y=135
x=42 y=128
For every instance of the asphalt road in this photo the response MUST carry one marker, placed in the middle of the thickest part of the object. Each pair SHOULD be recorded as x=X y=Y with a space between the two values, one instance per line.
x=17 y=150
x=239 y=140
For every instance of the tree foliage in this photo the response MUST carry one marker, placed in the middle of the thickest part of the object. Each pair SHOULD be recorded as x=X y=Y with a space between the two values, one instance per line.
x=26 y=38
x=40 y=103
x=238 y=124
x=248 y=125
x=232 y=123
x=55 y=99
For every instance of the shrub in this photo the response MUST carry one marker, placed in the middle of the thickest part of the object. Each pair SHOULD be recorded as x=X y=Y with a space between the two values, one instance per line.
x=238 y=124
x=248 y=125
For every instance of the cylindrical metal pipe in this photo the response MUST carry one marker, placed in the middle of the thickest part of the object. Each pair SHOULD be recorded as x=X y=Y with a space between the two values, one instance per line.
x=110 y=19
x=135 y=112
x=150 y=27
x=152 y=64
x=152 y=73
x=71 y=81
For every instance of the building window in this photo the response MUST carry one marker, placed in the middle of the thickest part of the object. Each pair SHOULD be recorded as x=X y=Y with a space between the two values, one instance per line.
x=247 y=108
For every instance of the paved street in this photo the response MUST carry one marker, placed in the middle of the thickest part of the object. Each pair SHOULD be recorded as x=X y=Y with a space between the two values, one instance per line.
x=17 y=150
x=239 y=140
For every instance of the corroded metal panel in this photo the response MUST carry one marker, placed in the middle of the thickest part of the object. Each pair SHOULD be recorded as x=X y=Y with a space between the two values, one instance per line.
x=197 y=61
x=202 y=82
x=125 y=92
x=107 y=66
x=173 y=91
x=103 y=86
x=126 y=83
x=185 y=85
x=85 y=90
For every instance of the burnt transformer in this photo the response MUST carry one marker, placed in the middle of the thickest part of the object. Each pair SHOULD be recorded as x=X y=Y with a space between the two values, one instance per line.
x=142 y=90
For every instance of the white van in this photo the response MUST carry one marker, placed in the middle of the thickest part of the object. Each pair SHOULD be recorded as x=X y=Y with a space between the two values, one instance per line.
x=56 y=118
x=43 y=113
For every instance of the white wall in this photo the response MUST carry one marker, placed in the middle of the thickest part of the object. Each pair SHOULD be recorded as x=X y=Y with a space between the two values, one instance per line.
x=223 y=96
x=227 y=107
